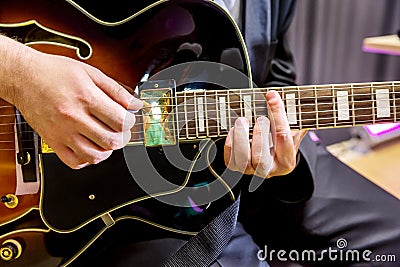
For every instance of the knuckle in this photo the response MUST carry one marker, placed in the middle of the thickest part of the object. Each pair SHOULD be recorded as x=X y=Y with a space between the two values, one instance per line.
x=74 y=162
x=74 y=166
x=119 y=89
x=276 y=106
x=114 y=142
x=263 y=165
x=98 y=157
x=282 y=132
x=78 y=165
x=67 y=113
x=120 y=124
x=289 y=166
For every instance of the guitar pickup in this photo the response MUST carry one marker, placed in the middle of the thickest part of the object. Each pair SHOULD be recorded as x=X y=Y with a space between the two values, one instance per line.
x=158 y=113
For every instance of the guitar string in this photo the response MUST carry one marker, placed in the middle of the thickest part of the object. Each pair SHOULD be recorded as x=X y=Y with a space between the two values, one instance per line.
x=368 y=119
x=285 y=90
x=288 y=89
x=238 y=102
x=302 y=113
x=194 y=135
x=322 y=115
x=313 y=108
x=303 y=105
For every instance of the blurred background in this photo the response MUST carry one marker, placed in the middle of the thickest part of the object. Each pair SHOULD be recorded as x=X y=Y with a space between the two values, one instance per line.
x=327 y=36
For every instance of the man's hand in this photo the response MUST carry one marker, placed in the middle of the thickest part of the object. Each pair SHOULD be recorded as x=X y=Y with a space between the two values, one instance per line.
x=81 y=113
x=254 y=156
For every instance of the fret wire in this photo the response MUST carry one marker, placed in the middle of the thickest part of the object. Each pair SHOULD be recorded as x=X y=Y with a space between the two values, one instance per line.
x=217 y=111
x=254 y=105
x=299 y=105
x=206 y=112
x=335 y=111
x=316 y=106
x=394 y=102
x=248 y=112
x=196 y=115
x=229 y=111
x=224 y=112
x=373 y=104
x=352 y=105
x=176 y=116
x=186 y=120
x=241 y=103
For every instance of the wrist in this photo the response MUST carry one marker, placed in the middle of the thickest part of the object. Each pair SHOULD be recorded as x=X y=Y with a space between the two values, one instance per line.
x=15 y=69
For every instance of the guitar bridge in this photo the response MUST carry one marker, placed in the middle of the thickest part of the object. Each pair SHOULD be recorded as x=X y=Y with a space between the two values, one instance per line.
x=157 y=113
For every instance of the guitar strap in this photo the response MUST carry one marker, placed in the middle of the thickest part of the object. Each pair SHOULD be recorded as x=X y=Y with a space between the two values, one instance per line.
x=205 y=247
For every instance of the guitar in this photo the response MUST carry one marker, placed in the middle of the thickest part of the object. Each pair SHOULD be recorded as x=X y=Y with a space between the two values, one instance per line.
x=173 y=53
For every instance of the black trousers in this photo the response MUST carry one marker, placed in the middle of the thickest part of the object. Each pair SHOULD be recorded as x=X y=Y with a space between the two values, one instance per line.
x=348 y=221
x=115 y=251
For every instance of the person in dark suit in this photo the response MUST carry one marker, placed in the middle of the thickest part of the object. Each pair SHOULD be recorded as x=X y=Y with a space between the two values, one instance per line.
x=345 y=212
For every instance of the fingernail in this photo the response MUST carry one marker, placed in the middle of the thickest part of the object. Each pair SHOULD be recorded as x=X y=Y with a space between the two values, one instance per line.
x=272 y=96
x=135 y=104
x=262 y=120
x=241 y=122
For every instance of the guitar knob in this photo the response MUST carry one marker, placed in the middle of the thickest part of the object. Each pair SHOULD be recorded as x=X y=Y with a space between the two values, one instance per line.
x=11 y=249
x=10 y=201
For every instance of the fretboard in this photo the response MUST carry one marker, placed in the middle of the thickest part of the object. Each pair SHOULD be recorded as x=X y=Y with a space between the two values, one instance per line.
x=201 y=114
x=211 y=113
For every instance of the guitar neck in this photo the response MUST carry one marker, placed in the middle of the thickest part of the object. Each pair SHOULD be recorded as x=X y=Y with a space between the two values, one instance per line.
x=341 y=105
x=211 y=113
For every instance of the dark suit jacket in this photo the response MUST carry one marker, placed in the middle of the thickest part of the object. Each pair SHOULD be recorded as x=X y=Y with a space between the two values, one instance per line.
x=265 y=26
x=273 y=65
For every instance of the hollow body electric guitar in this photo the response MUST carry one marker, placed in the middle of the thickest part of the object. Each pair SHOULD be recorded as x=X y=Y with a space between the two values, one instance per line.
x=183 y=59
